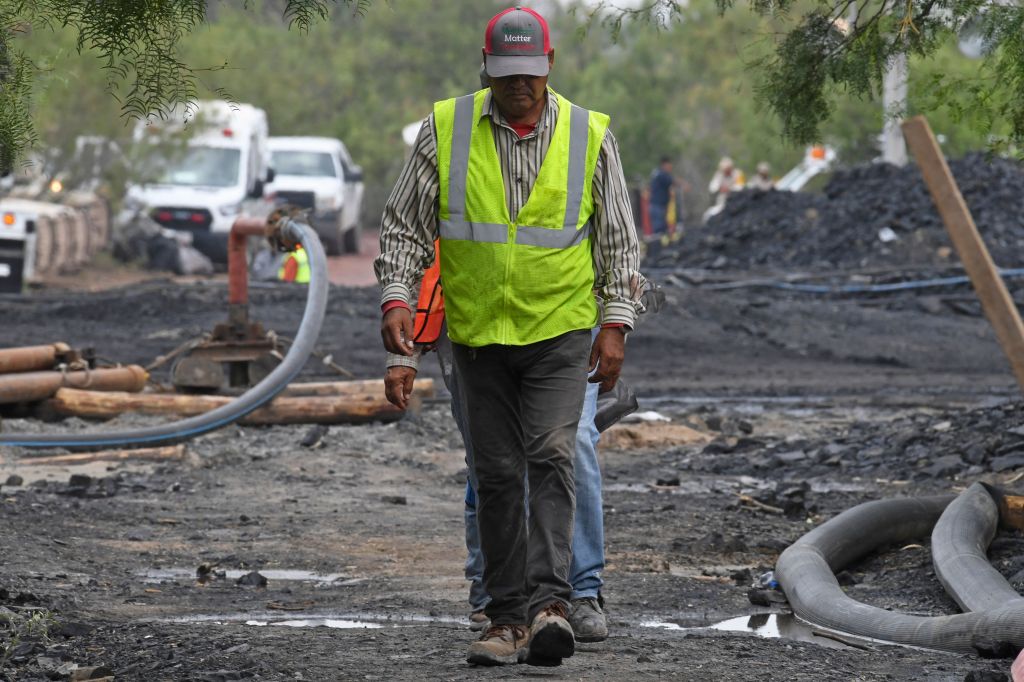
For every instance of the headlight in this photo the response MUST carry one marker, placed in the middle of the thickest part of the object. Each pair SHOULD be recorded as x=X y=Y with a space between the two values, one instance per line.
x=328 y=202
x=230 y=209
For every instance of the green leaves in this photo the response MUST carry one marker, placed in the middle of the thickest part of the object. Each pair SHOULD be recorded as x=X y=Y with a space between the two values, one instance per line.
x=137 y=43
x=16 y=131
x=830 y=48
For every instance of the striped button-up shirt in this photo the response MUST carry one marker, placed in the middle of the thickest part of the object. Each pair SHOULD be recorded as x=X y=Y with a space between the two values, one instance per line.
x=410 y=223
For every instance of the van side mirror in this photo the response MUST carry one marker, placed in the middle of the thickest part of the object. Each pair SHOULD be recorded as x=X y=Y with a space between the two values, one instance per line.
x=271 y=174
x=257 y=189
x=355 y=174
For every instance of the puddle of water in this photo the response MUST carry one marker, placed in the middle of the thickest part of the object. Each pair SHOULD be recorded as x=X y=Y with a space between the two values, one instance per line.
x=319 y=623
x=769 y=625
x=154 y=575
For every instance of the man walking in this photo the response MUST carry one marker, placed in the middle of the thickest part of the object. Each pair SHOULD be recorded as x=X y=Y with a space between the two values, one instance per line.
x=526 y=193
x=586 y=610
x=660 y=194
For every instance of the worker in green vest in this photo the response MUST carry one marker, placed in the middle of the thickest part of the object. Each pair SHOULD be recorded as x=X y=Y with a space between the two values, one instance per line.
x=526 y=194
x=295 y=267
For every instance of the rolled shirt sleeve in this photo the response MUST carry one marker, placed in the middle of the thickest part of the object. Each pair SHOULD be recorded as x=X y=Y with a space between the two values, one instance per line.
x=409 y=225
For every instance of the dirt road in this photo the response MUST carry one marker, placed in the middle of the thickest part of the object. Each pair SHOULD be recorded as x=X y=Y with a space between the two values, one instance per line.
x=799 y=403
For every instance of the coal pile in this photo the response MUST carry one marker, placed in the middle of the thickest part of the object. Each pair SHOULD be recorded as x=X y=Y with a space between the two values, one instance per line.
x=873 y=215
x=915 y=448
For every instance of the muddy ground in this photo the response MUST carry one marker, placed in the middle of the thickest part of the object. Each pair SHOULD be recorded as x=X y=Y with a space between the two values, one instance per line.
x=809 y=405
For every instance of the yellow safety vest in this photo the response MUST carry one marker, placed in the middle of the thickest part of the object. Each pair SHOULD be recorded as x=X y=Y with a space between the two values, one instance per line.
x=515 y=283
x=302 y=260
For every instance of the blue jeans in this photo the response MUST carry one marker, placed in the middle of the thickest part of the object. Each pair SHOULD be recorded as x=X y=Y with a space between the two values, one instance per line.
x=588 y=530
x=659 y=218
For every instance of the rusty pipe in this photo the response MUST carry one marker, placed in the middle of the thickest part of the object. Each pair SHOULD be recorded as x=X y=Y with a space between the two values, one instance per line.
x=31 y=386
x=238 y=266
x=31 y=358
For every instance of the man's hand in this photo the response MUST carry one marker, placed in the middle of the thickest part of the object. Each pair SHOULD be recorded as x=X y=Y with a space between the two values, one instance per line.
x=396 y=326
x=606 y=355
x=398 y=385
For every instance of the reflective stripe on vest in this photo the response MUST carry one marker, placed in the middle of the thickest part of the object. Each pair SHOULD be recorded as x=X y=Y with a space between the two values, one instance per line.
x=457 y=227
x=515 y=282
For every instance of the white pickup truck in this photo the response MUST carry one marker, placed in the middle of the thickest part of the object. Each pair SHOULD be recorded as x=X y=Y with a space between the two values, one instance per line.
x=317 y=173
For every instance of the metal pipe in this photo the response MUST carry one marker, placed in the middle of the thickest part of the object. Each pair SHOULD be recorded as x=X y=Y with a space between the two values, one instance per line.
x=238 y=265
x=31 y=358
x=31 y=386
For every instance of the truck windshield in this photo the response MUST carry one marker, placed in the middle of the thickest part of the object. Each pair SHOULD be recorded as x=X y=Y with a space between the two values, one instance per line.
x=318 y=164
x=204 y=166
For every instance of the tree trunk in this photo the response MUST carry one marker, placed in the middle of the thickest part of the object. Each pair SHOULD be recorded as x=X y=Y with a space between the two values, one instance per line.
x=344 y=409
x=424 y=388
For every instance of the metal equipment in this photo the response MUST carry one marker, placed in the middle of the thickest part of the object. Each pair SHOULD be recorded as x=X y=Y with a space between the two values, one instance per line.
x=286 y=233
x=238 y=353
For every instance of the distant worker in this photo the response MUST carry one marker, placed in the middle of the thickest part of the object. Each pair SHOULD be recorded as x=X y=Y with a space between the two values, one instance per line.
x=526 y=193
x=295 y=267
x=660 y=195
x=727 y=179
x=762 y=180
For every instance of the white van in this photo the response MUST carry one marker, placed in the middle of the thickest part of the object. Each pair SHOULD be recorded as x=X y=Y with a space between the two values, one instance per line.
x=317 y=173
x=202 y=188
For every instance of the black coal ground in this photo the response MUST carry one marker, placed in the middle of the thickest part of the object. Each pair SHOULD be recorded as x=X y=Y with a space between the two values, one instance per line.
x=808 y=405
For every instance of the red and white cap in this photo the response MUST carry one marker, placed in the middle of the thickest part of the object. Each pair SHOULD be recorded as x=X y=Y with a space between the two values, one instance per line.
x=517 y=43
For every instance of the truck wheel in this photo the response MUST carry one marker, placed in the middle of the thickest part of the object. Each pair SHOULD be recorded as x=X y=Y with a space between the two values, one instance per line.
x=352 y=239
x=333 y=242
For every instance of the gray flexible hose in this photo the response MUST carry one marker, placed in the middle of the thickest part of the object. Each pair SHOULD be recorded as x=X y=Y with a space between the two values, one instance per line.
x=806 y=573
x=261 y=393
x=960 y=543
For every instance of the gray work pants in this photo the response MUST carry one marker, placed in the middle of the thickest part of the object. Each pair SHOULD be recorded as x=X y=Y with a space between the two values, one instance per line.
x=523 y=406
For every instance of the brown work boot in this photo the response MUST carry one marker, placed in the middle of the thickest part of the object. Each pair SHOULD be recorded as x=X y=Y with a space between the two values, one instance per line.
x=551 y=637
x=478 y=621
x=499 y=645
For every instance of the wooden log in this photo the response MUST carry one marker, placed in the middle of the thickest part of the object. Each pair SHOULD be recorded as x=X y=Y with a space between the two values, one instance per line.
x=32 y=386
x=423 y=387
x=30 y=358
x=354 y=409
x=170 y=452
x=995 y=299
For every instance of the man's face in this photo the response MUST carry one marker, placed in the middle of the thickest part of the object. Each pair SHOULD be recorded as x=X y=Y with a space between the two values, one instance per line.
x=517 y=96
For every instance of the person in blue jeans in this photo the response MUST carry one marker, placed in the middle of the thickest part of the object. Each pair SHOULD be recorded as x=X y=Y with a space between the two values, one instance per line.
x=660 y=195
x=586 y=613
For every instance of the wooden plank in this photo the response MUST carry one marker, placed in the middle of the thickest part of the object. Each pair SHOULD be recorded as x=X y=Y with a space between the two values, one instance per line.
x=424 y=387
x=344 y=409
x=995 y=299
x=170 y=452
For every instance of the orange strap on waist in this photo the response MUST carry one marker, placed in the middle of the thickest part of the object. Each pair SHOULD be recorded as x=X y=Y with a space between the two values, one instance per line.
x=430 y=306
